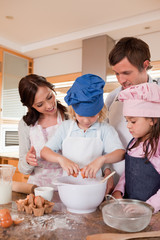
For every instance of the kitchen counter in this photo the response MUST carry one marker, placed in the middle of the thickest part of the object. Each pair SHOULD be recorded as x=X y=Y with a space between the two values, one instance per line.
x=10 y=154
x=60 y=224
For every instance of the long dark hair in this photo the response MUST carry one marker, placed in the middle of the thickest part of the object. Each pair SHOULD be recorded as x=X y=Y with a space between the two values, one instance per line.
x=28 y=87
x=152 y=140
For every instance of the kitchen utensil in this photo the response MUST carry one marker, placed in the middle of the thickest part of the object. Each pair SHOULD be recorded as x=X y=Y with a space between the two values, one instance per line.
x=106 y=178
x=45 y=192
x=23 y=187
x=81 y=195
x=6 y=173
x=127 y=214
x=122 y=236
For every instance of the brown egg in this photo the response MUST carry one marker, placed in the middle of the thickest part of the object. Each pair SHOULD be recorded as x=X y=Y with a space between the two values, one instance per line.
x=5 y=218
x=3 y=212
x=39 y=201
x=82 y=174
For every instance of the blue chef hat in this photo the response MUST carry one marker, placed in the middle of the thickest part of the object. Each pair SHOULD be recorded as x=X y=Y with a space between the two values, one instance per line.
x=86 y=95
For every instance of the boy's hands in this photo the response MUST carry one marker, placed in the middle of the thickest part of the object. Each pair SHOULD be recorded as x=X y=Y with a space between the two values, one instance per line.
x=91 y=169
x=69 y=166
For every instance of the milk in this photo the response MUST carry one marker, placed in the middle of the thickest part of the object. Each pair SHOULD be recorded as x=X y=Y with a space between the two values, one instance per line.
x=5 y=192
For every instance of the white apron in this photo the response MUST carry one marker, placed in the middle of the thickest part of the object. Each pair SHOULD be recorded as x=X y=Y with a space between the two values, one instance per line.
x=45 y=173
x=82 y=150
x=117 y=120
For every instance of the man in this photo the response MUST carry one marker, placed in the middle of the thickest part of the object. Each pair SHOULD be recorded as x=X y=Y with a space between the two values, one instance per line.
x=130 y=60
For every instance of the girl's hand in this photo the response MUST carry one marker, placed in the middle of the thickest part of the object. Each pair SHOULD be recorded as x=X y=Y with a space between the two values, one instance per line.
x=117 y=195
x=31 y=157
x=91 y=169
x=69 y=166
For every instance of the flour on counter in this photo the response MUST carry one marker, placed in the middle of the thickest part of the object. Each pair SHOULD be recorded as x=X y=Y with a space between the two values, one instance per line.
x=51 y=222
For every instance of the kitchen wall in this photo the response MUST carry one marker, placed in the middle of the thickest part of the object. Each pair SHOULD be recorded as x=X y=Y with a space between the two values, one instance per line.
x=71 y=61
x=59 y=64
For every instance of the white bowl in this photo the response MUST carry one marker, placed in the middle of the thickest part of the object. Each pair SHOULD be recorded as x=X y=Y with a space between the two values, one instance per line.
x=45 y=192
x=81 y=195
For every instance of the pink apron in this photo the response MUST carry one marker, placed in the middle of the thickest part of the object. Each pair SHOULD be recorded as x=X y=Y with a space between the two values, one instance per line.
x=45 y=173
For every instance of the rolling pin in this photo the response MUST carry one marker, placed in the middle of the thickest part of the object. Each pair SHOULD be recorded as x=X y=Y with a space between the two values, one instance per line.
x=123 y=236
x=23 y=187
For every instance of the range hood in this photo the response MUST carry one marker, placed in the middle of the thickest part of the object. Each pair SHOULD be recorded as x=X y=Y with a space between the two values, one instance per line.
x=95 y=53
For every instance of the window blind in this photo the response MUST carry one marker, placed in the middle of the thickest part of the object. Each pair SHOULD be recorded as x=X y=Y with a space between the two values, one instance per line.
x=11 y=105
x=11 y=138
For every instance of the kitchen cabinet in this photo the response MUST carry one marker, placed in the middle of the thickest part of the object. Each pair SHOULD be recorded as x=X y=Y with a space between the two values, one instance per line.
x=19 y=177
x=13 y=66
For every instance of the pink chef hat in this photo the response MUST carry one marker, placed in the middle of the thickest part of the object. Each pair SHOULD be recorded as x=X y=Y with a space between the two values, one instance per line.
x=141 y=100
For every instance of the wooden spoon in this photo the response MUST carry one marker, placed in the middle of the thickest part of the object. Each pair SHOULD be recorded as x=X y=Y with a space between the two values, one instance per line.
x=122 y=236
x=105 y=179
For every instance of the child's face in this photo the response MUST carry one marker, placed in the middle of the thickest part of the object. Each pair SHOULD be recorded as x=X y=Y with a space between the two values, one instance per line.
x=139 y=127
x=86 y=122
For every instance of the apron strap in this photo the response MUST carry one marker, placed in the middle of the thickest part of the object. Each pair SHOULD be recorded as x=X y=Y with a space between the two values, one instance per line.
x=129 y=143
x=59 y=117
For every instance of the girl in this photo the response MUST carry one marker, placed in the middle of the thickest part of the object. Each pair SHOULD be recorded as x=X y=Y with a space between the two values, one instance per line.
x=85 y=140
x=43 y=117
x=141 y=179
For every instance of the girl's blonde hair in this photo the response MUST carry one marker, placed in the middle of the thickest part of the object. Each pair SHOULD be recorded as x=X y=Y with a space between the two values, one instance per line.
x=102 y=114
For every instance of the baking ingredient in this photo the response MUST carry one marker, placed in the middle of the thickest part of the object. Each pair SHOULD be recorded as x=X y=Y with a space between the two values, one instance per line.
x=17 y=220
x=39 y=201
x=5 y=218
x=36 y=205
x=82 y=173
x=3 y=212
x=76 y=174
x=6 y=192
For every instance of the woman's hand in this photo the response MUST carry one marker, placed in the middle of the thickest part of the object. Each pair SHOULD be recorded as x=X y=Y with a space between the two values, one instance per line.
x=31 y=157
x=69 y=166
x=91 y=169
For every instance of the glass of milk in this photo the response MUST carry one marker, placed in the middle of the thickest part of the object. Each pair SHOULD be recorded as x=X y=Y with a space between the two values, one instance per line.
x=6 y=174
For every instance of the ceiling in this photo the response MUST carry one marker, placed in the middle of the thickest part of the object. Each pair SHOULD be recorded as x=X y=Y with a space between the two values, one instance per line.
x=38 y=28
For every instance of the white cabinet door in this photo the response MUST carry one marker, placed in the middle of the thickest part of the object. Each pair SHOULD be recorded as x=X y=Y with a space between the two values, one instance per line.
x=14 y=68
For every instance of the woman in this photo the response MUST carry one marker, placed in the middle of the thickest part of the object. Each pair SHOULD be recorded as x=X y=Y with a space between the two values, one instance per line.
x=43 y=117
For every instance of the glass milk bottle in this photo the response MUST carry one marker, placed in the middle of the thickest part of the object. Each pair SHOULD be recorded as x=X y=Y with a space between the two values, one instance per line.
x=6 y=173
